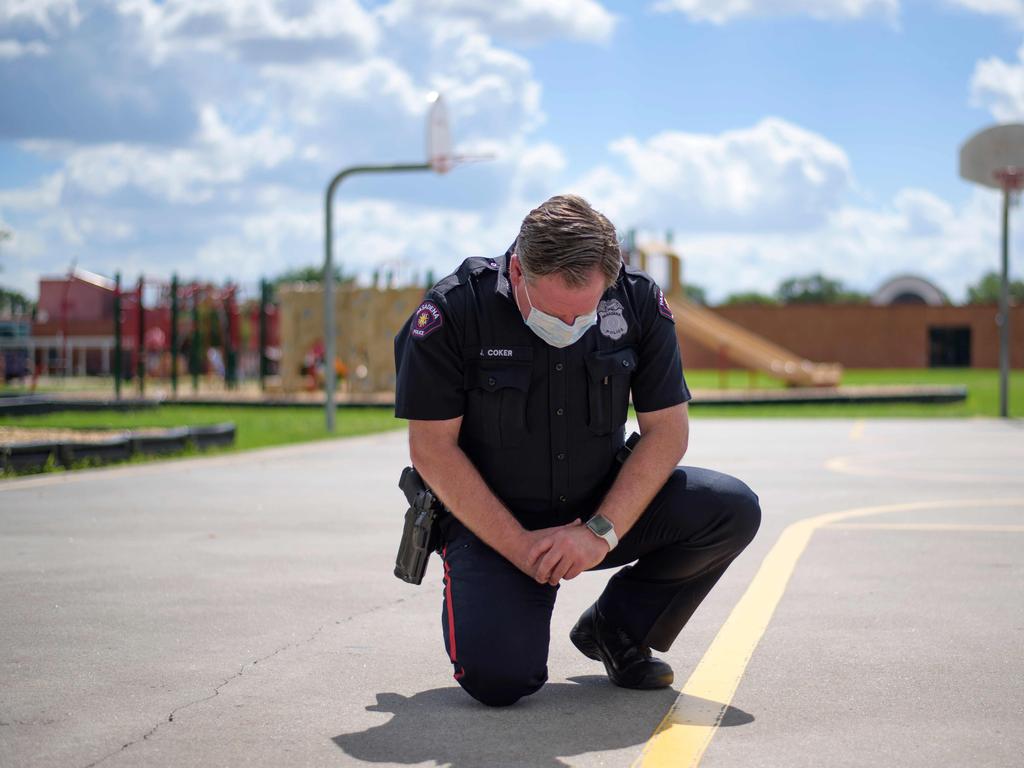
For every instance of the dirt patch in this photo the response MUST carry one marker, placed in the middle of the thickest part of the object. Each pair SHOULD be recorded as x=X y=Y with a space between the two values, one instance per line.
x=11 y=435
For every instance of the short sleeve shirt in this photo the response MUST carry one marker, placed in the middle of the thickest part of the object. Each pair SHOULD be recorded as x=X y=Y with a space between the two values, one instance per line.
x=542 y=425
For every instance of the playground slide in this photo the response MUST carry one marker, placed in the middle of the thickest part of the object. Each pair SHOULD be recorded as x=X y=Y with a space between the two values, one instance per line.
x=748 y=349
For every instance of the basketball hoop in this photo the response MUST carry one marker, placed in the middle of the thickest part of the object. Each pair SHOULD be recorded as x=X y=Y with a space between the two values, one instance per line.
x=439 y=139
x=1011 y=178
x=994 y=158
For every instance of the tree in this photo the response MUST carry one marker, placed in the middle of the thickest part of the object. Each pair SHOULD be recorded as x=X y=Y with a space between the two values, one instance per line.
x=311 y=274
x=749 y=297
x=986 y=290
x=817 y=289
x=695 y=293
x=15 y=303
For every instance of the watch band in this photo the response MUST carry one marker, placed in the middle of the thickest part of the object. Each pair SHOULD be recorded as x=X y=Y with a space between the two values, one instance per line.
x=601 y=526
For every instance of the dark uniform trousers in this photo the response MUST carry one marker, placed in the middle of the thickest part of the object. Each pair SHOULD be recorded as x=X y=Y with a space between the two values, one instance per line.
x=496 y=619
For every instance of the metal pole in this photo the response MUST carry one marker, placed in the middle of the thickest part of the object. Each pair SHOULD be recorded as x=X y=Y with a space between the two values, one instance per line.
x=140 y=345
x=117 y=336
x=230 y=353
x=328 y=275
x=1004 y=314
x=264 y=291
x=174 y=336
x=194 y=347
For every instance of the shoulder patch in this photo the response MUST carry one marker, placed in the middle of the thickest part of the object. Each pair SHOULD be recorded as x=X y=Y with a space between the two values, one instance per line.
x=663 y=306
x=428 y=318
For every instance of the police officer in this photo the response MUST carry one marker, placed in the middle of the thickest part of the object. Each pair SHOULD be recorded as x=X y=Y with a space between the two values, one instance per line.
x=515 y=375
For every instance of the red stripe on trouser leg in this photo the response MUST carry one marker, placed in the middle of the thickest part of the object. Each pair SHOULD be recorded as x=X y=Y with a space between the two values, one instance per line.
x=451 y=613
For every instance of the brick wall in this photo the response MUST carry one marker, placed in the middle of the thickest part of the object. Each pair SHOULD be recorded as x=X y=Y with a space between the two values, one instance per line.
x=864 y=336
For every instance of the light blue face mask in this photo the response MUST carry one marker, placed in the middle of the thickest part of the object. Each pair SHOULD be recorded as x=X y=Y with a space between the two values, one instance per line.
x=554 y=331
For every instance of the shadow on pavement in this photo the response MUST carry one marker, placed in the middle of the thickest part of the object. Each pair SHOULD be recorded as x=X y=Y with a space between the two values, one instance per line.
x=447 y=726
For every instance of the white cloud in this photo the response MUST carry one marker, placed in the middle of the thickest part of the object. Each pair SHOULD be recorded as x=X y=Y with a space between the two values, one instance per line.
x=1012 y=9
x=44 y=194
x=488 y=89
x=774 y=175
x=314 y=88
x=15 y=49
x=722 y=11
x=998 y=86
x=220 y=156
x=261 y=30
x=861 y=246
x=520 y=20
x=44 y=15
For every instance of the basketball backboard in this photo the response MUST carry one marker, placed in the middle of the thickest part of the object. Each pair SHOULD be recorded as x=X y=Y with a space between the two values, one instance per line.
x=439 y=139
x=994 y=157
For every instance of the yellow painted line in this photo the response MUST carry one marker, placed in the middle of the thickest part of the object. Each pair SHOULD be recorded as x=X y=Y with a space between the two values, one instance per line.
x=857 y=431
x=928 y=527
x=684 y=734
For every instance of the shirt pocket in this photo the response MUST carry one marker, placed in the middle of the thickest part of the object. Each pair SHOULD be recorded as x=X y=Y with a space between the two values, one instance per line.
x=609 y=373
x=498 y=394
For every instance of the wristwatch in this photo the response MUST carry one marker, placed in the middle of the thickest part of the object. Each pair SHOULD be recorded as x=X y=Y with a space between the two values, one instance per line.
x=602 y=526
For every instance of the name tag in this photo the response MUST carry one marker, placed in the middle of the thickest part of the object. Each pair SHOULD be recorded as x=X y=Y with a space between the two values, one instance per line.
x=507 y=354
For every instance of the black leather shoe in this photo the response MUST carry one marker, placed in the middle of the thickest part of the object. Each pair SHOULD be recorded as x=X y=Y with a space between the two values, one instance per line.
x=628 y=665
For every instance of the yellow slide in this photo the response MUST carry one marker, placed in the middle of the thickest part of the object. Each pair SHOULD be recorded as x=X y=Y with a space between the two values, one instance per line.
x=748 y=349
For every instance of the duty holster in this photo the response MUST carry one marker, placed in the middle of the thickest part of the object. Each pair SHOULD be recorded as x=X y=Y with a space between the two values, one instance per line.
x=421 y=534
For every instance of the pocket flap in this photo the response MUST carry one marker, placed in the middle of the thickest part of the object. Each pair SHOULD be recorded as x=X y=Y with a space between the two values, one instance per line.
x=493 y=379
x=615 y=362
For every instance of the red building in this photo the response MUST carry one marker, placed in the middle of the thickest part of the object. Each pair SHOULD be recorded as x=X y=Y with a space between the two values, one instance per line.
x=73 y=332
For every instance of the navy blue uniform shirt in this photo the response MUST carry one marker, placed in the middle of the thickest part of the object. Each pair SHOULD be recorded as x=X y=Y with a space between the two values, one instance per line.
x=542 y=425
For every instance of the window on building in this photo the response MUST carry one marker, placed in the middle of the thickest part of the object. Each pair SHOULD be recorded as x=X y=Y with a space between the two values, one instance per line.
x=949 y=347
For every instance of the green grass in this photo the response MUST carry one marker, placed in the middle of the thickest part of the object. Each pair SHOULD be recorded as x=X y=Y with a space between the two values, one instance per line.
x=259 y=427
x=982 y=394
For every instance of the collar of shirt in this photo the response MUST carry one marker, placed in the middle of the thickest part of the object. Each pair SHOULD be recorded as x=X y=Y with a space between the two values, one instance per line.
x=503 y=285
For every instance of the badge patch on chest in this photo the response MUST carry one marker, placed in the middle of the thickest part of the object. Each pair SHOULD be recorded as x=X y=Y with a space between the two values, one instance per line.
x=428 y=318
x=663 y=306
x=612 y=323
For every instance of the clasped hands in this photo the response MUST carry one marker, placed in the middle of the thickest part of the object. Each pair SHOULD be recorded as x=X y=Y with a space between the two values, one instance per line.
x=549 y=555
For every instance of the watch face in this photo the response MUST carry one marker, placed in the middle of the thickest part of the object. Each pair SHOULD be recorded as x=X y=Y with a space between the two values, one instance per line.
x=599 y=525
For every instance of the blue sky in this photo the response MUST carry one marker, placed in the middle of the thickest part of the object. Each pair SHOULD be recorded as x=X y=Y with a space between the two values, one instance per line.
x=773 y=137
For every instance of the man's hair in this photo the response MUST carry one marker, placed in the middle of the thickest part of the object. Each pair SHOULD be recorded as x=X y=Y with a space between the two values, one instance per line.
x=565 y=236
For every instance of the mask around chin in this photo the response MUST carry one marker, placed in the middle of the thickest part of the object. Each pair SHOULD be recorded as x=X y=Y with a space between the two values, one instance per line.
x=552 y=330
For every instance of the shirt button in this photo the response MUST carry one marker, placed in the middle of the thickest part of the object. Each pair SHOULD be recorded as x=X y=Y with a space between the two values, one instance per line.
x=558 y=366
x=560 y=412
x=562 y=499
x=625 y=363
x=561 y=457
x=491 y=382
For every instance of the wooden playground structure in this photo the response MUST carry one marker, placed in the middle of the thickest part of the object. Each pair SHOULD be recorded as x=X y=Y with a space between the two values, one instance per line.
x=369 y=317
x=729 y=340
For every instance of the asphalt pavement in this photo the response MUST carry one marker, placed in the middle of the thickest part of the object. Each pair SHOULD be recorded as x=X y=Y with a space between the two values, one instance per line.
x=240 y=610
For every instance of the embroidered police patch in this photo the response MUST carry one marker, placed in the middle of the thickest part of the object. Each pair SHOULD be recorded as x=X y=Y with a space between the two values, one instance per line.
x=428 y=318
x=613 y=324
x=663 y=306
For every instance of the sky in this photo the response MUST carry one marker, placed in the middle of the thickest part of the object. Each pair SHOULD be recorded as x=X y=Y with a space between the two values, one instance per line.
x=773 y=138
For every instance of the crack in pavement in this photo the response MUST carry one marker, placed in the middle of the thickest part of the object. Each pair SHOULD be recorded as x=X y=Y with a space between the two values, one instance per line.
x=49 y=721
x=239 y=673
